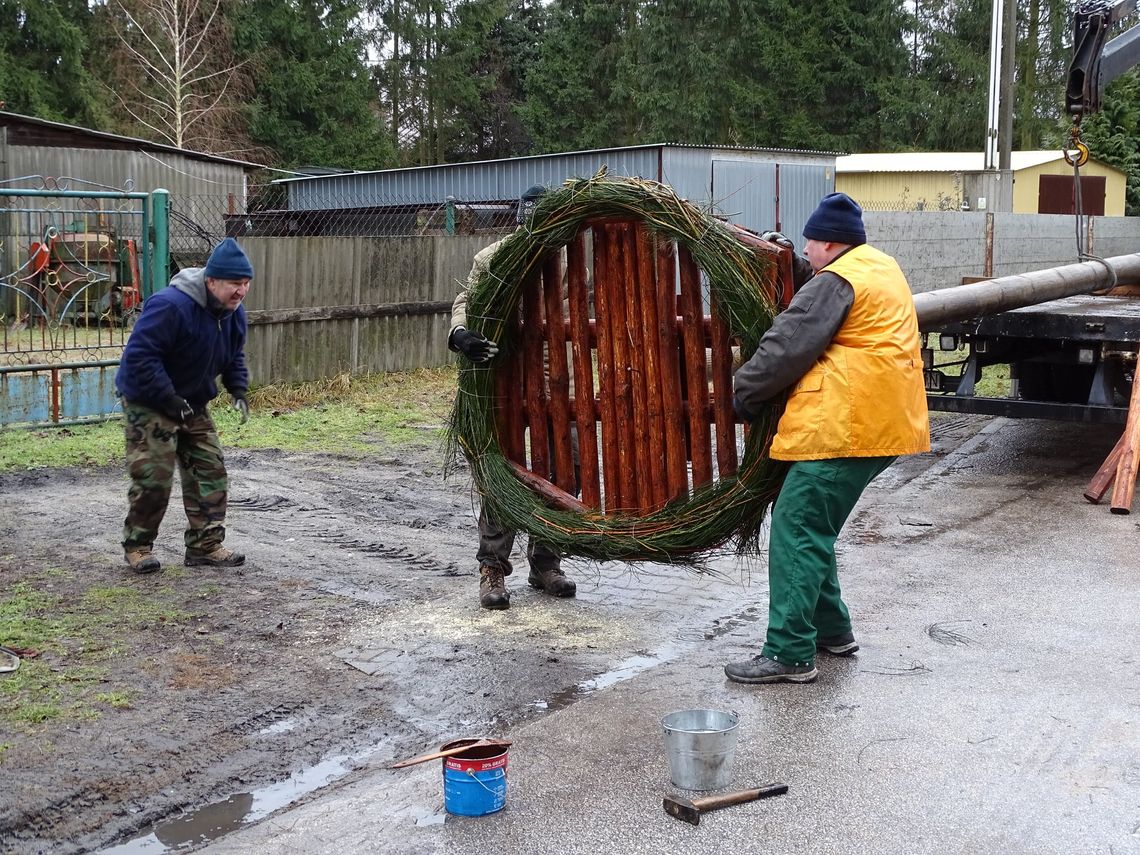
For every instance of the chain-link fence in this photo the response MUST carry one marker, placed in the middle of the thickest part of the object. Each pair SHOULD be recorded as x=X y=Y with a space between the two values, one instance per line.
x=199 y=222
x=939 y=202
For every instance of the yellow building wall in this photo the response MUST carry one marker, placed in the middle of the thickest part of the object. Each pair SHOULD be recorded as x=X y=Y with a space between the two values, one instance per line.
x=902 y=191
x=942 y=191
x=1026 y=185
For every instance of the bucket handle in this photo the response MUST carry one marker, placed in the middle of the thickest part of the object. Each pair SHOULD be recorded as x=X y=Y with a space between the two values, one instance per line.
x=494 y=793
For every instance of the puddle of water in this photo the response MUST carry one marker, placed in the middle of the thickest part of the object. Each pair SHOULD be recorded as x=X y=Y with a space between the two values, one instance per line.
x=241 y=809
x=283 y=726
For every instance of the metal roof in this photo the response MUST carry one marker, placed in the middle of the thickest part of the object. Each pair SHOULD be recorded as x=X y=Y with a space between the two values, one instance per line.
x=118 y=141
x=564 y=154
x=939 y=161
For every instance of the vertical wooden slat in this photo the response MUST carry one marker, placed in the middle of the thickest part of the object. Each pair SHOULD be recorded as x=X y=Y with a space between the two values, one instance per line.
x=606 y=381
x=619 y=343
x=508 y=411
x=559 y=405
x=583 y=371
x=676 y=467
x=692 y=315
x=651 y=351
x=723 y=414
x=534 y=382
x=644 y=470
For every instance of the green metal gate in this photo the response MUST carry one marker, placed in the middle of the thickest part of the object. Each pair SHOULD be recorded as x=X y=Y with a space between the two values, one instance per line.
x=75 y=267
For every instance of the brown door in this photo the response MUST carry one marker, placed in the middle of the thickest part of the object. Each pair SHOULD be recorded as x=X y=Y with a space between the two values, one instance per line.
x=1055 y=195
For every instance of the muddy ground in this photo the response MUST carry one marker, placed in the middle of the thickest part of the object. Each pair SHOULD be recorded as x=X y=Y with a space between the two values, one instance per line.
x=351 y=638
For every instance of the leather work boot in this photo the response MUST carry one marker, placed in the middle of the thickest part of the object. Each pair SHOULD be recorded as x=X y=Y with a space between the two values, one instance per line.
x=838 y=645
x=761 y=669
x=493 y=593
x=552 y=581
x=142 y=559
x=219 y=556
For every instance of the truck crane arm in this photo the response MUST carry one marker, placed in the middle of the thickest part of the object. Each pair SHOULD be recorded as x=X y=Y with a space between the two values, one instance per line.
x=1096 y=64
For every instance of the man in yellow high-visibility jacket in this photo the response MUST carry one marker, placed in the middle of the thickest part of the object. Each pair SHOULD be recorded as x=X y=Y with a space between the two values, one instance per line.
x=847 y=352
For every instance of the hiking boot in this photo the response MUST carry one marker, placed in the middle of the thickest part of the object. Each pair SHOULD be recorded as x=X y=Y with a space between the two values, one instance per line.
x=142 y=559
x=837 y=645
x=493 y=593
x=219 y=556
x=553 y=581
x=761 y=669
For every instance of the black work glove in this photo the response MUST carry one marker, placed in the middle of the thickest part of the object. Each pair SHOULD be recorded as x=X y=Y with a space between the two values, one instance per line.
x=801 y=267
x=178 y=409
x=777 y=238
x=242 y=406
x=473 y=345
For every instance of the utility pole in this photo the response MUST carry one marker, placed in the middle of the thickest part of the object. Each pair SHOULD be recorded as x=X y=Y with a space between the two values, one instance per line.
x=1005 y=123
x=995 y=76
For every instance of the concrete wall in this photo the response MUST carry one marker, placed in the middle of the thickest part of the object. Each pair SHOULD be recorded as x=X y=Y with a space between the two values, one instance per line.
x=936 y=250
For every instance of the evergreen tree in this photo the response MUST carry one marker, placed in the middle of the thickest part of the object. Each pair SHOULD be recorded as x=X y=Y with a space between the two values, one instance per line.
x=574 y=99
x=1112 y=134
x=312 y=100
x=42 y=70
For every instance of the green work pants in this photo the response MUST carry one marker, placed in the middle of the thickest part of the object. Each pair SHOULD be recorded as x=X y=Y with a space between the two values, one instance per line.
x=804 y=597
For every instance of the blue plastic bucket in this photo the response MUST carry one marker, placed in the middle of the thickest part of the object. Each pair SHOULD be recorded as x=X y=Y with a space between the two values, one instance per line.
x=475 y=781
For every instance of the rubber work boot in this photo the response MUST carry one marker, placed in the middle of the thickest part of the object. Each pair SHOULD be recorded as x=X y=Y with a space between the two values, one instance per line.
x=554 y=582
x=493 y=593
x=761 y=669
x=219 y=556
x=142 y=559
x=838 y=645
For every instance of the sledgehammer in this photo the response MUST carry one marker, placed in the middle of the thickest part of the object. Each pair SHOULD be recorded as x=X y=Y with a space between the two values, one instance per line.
x=690 y=810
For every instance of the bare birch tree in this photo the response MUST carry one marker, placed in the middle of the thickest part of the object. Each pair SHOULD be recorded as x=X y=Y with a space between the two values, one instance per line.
x=178 y=77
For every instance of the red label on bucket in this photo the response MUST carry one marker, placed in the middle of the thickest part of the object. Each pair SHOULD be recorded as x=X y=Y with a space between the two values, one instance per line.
x=481 y=764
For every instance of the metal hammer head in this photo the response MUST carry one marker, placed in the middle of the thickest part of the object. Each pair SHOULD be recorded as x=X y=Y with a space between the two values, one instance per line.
x=682 y=809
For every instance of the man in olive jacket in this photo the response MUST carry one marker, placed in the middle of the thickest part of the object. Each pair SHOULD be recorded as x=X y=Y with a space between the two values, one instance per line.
x=847 y=350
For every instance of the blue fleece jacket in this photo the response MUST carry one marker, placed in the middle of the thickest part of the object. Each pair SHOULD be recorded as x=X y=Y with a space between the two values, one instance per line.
x=181 y=342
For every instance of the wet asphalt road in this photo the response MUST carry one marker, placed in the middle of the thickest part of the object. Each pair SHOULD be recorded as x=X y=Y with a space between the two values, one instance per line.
x=994 y=705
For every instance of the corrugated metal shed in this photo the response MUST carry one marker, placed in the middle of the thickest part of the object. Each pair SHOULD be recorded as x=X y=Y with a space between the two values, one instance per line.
x=756 y=187
x=36 y=147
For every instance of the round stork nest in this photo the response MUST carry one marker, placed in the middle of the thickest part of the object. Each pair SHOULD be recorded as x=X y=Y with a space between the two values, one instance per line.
x=691 y=528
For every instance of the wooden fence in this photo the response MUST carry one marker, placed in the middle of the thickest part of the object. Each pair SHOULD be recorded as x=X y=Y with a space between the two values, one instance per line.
x=320 y=306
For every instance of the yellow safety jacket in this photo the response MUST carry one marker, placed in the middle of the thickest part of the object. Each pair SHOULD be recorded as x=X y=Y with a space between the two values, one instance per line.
x=864 y=396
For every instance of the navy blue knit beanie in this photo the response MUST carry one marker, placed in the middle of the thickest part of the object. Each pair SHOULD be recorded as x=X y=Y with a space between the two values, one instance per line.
x=228 y=261
x=528 y=201
x=838 y=219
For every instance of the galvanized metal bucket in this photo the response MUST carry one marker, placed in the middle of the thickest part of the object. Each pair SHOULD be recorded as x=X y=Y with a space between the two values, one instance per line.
x=700 y=746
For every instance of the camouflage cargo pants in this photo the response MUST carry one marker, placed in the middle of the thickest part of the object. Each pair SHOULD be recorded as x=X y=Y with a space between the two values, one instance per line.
x=156 y=444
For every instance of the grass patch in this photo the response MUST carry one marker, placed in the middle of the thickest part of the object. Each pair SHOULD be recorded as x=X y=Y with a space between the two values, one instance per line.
x=343 y=415
x=72 y=642
x=994 y=382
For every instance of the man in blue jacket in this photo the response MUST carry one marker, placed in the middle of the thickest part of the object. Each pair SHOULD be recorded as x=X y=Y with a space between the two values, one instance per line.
x=188 y=333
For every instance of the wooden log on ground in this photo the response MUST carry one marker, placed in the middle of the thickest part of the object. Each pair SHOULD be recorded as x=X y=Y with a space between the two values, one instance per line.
x=1130 y=456
x=1105 y=475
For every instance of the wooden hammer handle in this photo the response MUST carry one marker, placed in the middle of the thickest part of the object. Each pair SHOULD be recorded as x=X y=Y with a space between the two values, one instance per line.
x=739 y=797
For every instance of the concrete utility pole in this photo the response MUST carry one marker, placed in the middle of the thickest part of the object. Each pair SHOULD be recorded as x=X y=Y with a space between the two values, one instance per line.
x=995 y=76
